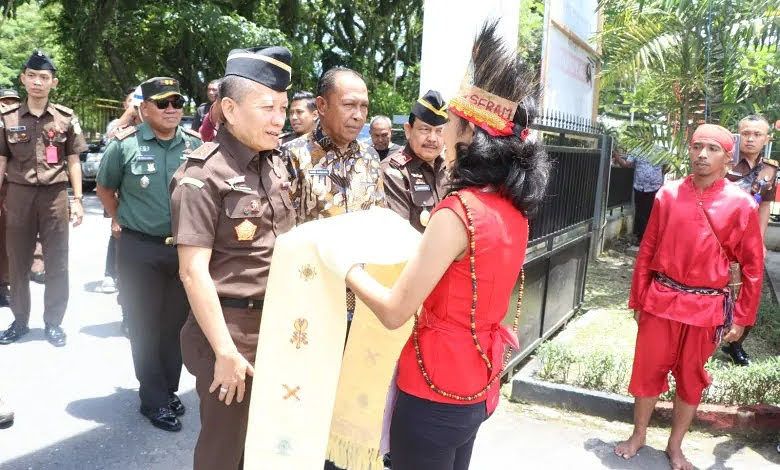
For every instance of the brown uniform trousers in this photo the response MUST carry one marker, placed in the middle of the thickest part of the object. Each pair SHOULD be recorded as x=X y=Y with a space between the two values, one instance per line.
x=33 y=210
x=222 y=428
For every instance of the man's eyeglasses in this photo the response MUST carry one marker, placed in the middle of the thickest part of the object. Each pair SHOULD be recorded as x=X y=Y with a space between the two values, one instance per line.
x=177 y=103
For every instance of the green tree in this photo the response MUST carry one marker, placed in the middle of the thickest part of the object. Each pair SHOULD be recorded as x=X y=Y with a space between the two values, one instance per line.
x=671 y=64
x=20 y=34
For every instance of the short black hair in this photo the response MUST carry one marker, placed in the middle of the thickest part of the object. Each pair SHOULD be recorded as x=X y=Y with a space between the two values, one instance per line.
x=519 y=169
x=216 y=80
x=234 y=87
x=755 y=118
x=327 y=81
x=311 y=103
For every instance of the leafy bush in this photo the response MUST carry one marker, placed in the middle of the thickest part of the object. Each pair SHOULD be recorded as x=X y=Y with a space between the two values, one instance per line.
x=609 y=372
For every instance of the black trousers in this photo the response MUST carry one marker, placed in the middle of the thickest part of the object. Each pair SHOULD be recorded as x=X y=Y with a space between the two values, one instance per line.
x=643 y=205
x=155 y=303
x=433 y=436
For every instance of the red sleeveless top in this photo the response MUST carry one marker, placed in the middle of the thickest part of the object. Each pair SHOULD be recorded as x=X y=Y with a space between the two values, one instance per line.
x=446 y=344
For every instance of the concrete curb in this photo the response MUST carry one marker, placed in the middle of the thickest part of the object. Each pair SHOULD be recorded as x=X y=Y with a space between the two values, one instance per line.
x=720 y=418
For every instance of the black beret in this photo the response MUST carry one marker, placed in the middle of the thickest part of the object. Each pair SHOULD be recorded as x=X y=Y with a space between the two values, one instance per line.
x=431 y=108
x=158 y=88
x=8 y=93
x=39 y=61
x=269 y=66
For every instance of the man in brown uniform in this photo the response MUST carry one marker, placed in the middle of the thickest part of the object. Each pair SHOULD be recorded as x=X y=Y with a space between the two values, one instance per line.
x=8 y=97
x=756 y=175
x=415 y=177
x=229 y=202
x=40 y=143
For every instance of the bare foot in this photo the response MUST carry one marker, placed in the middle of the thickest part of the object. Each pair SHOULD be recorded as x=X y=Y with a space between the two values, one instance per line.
x=678 y=460
x=629 y=448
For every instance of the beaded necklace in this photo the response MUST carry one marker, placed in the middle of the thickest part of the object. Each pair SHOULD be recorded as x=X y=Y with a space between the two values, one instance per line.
x=473 y=316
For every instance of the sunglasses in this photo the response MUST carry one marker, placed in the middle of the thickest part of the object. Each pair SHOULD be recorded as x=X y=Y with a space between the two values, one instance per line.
x=177 y=103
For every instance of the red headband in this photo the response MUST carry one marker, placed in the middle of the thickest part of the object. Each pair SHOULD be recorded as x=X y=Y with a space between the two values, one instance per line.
x=712 y=133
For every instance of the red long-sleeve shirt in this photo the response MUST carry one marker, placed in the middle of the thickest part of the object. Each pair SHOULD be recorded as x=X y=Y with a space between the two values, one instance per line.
x=679 y=243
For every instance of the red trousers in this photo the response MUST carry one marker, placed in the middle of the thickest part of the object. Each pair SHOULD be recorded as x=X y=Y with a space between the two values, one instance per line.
x=664 y=346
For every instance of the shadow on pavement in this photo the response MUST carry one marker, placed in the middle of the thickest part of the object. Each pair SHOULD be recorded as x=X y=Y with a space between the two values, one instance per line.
x=646 y=458
x=124 y=439
x=104 y=330
x=724 y=450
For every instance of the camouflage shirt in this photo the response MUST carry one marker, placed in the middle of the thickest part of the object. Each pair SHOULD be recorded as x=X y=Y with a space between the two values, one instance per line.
x=327 y=182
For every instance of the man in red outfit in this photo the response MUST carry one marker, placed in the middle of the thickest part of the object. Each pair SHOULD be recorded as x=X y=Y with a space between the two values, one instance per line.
x=679 y=291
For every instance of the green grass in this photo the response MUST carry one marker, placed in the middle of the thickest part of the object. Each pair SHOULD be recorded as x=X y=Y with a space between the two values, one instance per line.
x=596 y=349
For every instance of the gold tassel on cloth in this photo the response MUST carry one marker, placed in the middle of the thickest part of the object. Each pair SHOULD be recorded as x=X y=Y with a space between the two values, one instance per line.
x=312 y=398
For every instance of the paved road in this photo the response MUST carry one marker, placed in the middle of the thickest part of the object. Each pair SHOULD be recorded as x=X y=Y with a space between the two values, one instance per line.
x=77 y=406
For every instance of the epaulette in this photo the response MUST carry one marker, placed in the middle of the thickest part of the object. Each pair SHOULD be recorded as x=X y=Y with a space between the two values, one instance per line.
x=7 y=108
x=771 y=162
x=63 y=109
x=189 y=131
x=399 y=159
x=204 y=152
x=125 y=133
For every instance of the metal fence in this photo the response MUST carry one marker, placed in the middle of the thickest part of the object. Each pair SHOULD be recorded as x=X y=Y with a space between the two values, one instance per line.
x=94 y=114
x=566 y=231
x=621 y=186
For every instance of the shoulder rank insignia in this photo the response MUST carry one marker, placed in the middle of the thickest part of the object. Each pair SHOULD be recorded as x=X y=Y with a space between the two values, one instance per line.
x=204 y=152
x=399 y=159
x=191 y=181
x=771 y=162
x=125 y=133
x=63 y=109
x=394 y=172
x=7 y=108
x=191 y=132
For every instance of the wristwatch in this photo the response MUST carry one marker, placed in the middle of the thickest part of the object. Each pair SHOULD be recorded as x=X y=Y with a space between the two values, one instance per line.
x=77 y=198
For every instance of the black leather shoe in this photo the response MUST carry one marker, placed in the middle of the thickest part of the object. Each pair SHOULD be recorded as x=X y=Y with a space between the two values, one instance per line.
x=13 y=333
x=38 y=276
x=55 y=335
x=176 y=405
x=737 y=354
x=162 y=418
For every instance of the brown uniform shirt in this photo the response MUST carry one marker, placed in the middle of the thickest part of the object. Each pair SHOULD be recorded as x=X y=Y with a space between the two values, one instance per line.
x=412 y=186
x=329 y=182
x=24 y=139
x=761 y=179
x=235 y=202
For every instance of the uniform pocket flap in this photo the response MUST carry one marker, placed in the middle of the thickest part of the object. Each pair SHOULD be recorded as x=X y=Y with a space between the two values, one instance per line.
x=143 y=167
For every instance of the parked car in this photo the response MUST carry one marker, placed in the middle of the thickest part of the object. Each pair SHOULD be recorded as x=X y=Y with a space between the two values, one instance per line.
x=90 y=162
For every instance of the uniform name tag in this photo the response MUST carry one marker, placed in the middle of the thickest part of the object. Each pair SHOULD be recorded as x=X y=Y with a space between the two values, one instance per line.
x=17 y=129
x=145 y=158
x=319 y=171
x=422 y=187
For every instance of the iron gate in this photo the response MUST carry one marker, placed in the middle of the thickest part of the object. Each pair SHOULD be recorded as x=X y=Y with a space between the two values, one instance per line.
x=566 y=231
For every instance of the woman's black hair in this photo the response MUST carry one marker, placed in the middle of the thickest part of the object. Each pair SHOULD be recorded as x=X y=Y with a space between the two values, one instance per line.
x=518 y=169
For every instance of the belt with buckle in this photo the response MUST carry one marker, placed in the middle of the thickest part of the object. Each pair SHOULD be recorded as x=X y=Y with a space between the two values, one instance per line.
x=251 y=304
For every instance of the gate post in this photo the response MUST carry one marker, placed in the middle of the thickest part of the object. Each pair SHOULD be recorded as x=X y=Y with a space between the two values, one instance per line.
x=602 y=190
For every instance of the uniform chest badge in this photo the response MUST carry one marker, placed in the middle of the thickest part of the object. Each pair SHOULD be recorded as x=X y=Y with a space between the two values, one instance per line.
x=144 y=181
x=245 y=231
x=150 y=167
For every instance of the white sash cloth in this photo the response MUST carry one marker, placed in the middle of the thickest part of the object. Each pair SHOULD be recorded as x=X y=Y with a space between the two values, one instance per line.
x=306 y=406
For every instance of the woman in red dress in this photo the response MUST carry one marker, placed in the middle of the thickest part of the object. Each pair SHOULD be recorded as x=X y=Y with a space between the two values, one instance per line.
x=468 y=262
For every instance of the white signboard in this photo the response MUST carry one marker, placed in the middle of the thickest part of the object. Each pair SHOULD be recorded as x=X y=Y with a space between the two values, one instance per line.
x=570 y=58
x=449 y=28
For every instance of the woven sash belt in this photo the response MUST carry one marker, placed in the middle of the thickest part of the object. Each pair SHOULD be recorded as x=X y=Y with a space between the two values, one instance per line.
x=728 y=300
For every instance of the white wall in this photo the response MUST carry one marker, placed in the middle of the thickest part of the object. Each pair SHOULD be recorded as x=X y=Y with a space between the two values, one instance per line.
x=449 y=28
